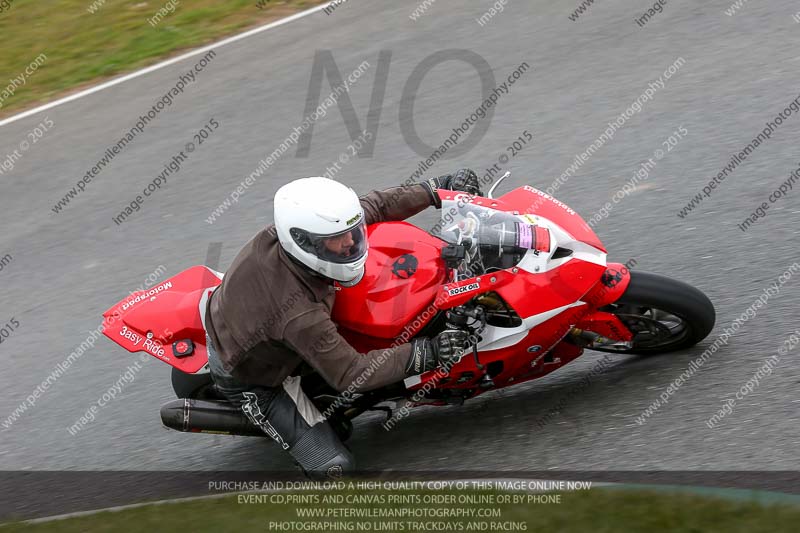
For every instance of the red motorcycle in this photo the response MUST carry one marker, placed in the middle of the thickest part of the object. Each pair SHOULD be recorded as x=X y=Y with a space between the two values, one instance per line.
x=522 y=273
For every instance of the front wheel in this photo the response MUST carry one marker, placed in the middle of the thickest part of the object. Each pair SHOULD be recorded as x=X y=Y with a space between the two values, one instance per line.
x=663 y=314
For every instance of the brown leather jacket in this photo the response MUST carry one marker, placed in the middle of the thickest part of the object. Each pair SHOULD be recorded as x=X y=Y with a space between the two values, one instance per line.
x=270 y=313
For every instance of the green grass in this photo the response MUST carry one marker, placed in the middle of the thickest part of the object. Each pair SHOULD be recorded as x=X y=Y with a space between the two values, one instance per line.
x=83 y=47
x=597 y=511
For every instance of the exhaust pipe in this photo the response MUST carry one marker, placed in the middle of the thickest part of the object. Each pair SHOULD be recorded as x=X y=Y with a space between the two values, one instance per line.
x=202 y=416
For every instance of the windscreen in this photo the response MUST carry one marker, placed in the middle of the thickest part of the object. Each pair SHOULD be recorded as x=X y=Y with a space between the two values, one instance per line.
x=491 y=239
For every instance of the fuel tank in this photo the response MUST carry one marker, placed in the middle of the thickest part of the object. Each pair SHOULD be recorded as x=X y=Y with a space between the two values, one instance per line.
x=404 y=272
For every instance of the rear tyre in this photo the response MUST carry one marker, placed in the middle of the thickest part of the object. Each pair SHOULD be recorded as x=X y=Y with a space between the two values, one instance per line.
x=664 y=314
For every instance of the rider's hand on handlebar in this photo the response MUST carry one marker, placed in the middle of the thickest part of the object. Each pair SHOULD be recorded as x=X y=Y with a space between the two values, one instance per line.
x=464 y=180
x=444 y=349
x=450 y=345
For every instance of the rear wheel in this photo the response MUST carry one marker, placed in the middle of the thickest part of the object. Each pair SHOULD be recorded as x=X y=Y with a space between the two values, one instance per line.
x=663 y=314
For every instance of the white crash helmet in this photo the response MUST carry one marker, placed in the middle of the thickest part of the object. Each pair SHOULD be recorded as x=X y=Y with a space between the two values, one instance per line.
x=320 y=222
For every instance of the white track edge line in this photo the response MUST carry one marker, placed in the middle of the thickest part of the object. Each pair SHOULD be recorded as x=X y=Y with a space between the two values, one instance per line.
x=163 y=64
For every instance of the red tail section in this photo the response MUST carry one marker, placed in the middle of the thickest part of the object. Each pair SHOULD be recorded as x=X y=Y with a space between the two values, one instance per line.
x=166 y=321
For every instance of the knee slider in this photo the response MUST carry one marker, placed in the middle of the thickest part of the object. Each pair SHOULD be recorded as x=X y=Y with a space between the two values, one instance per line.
x=321 y=454
x=342 y=465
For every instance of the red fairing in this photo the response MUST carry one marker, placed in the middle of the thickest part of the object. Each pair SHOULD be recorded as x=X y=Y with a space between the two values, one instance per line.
x=528 y=200
x=555 y=292
x=170 y=312
x=533 y=356
x=605 y=324
x=403 y=273
x=535 y=294
x=611 y=285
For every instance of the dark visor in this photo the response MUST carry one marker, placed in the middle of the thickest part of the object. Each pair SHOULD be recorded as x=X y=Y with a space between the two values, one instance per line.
x=343 y=247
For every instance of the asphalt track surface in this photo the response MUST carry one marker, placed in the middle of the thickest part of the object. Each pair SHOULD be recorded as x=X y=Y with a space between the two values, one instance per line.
x=740 y=71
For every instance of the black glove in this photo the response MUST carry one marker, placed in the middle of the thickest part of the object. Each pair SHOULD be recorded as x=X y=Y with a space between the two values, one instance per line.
x=464 y=180
x=444 y=349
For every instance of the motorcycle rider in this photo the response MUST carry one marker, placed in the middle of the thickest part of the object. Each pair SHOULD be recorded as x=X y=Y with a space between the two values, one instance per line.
x=272 y=312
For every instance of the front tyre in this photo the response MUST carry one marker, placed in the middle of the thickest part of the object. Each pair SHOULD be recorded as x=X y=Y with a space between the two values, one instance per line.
x=664 y=315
